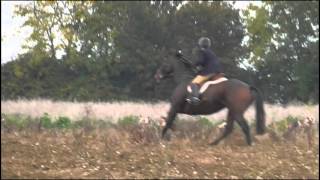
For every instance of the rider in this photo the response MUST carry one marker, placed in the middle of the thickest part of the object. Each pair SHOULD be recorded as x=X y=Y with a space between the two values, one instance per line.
x=208 y=65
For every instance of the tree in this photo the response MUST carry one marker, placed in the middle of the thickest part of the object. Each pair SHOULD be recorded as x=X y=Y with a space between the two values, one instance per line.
x=112 y=49
x=55 y=25
x=284 y=39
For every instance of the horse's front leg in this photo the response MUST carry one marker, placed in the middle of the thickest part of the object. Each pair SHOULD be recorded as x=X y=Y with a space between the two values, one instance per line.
x=169 y=121
x=228 y=129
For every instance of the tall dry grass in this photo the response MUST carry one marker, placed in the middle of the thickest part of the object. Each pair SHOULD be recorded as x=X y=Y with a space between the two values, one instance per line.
x=114 y=110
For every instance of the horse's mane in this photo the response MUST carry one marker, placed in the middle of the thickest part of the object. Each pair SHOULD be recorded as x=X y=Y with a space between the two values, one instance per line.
x=181 y=72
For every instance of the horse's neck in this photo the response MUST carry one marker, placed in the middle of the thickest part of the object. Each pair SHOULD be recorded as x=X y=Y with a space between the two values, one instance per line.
x=183 y=78
x=182 y=74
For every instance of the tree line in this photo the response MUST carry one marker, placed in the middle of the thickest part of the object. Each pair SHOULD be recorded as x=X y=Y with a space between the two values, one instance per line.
x=95 y=50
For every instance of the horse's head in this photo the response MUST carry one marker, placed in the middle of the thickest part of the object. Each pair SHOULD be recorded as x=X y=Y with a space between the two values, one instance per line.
x=163 y=72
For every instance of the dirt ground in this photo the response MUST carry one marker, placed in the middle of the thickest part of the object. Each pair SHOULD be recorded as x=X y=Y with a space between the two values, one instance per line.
x=114 y=153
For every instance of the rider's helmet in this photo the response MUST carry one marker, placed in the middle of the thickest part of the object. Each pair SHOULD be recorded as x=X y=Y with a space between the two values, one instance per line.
x=204 y=42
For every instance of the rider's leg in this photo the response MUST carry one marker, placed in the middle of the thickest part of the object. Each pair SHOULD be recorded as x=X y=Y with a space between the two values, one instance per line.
x=195 y=87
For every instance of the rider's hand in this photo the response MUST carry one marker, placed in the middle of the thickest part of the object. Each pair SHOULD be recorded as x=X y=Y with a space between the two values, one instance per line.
x=179 y=54
x=199 y=68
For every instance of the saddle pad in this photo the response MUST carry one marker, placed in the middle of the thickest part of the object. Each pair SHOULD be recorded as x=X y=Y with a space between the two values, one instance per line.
x=205 y=86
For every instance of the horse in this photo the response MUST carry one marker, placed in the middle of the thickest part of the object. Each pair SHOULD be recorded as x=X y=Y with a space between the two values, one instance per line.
x=232 y=94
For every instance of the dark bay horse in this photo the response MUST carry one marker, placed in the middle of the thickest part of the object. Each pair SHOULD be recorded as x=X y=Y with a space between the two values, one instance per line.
x=232 y=94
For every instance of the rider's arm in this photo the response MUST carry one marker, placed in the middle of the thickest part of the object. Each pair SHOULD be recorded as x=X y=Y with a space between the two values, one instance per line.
x=202 y=59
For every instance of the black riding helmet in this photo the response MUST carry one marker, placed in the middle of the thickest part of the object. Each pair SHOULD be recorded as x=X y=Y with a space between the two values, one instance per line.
x=204 y=42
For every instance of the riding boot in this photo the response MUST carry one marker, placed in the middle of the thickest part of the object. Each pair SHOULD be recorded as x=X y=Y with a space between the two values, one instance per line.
x=194 y=99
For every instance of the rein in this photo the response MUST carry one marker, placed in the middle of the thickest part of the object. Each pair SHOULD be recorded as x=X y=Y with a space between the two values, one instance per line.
x=188 y=64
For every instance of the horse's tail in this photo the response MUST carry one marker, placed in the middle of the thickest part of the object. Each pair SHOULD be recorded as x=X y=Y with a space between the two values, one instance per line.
x=260 y=113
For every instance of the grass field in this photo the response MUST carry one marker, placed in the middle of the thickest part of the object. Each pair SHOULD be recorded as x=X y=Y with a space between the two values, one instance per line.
x=127 y=149
x=115 y=110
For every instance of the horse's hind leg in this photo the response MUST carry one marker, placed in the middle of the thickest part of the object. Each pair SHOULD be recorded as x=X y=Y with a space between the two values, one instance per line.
x=245 y=128
x=228 y=129
x=171 y=116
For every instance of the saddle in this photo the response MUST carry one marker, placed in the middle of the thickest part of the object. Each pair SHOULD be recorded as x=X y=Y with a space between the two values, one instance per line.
x=215 y=79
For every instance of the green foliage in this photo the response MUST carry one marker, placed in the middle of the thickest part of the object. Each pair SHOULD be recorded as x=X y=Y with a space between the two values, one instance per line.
x=290 y=119
x=205 y=122
x=115 y=60
x=46 y=121
x=284 y=40
x=258 y=31
x=281 y=126
x=63 y=123
x=128 y=121
x=16 y=121
x=20 y=122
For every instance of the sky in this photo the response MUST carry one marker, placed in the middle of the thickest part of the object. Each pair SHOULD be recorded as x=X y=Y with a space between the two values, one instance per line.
x=13 y=35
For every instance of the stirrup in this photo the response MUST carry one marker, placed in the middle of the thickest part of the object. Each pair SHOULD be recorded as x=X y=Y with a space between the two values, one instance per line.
x=193 y=100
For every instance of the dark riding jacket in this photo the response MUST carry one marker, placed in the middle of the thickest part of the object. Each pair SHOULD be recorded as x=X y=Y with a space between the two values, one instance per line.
x=209 y=63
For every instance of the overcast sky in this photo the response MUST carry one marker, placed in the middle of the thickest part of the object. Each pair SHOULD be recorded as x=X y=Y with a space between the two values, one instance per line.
x=13 y=35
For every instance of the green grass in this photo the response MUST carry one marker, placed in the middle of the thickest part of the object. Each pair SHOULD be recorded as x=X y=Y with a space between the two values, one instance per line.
x=46 y=121
x=128 y=121
x=63 y=123
x=19 y=122
x=205 y=122
x=282 y=125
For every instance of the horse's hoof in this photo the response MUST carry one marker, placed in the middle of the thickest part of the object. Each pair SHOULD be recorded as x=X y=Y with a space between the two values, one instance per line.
x=166 y=137
x=213 y=143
